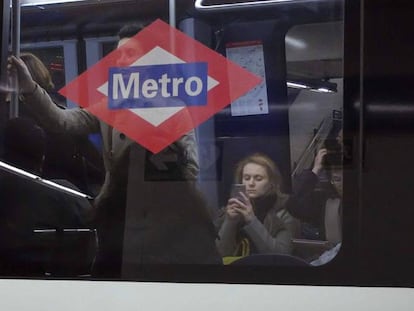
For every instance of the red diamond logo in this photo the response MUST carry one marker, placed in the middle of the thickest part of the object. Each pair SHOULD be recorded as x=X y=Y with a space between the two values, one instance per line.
x=159 y=85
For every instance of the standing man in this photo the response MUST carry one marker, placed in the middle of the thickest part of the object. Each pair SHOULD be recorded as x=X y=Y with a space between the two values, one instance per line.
x=111 y=200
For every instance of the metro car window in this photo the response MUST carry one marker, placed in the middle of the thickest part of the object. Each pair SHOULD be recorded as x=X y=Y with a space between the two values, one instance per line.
x=152 y=141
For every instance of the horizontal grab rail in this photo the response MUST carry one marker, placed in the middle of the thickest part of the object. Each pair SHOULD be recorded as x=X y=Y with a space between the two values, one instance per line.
x=199 y=5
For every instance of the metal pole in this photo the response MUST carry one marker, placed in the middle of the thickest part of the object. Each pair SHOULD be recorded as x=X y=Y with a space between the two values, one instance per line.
x=172 y=13
x=5 y=40
x=15 y=40
x=16 y=27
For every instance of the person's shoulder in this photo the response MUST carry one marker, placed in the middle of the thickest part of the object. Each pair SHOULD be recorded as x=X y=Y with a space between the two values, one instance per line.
x=282 y=199
x=280 y=207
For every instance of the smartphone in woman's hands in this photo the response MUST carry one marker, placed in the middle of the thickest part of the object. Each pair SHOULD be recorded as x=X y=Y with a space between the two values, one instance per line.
x=237 y=190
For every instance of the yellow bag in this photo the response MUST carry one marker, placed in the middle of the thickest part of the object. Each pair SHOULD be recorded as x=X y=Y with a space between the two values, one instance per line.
x=243 y=249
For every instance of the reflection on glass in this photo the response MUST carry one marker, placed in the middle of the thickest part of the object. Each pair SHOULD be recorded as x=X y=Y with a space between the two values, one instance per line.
x=281 y=143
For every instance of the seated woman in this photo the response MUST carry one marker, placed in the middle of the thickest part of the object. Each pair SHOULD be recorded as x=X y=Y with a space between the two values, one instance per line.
x=257 y=220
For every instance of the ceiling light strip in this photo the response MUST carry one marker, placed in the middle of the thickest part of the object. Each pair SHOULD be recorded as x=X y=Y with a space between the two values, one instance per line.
x=199 y=5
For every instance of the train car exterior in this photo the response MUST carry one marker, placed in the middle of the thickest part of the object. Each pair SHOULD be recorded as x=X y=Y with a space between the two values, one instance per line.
x=327 y=98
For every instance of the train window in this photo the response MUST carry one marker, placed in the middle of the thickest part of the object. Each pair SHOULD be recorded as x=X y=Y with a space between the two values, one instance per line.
x=220 y=145
x=314 y=60
x=96 y=48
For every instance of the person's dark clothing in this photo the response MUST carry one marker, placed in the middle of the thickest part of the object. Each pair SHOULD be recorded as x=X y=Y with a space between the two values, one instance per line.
x=25 y=206
x=70 y=157
x=73 y=158
x=171 y=227
x=175 y=227
x=307 y=203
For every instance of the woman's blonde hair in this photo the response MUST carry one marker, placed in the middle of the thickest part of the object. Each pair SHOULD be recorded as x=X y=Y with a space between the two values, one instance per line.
x=273 y=172
x=38 y=71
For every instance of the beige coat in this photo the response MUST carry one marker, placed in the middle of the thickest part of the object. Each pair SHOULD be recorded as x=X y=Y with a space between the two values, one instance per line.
x=115 y=144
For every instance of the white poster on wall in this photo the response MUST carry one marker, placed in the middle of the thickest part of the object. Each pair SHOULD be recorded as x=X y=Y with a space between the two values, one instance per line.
x=249 y=55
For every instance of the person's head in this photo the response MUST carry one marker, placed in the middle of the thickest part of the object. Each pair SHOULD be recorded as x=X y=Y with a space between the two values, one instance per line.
x=334 y=145
x=260 y=175
x=38 y=71
x=336 y=180
x=24 y=144
x=129 y=54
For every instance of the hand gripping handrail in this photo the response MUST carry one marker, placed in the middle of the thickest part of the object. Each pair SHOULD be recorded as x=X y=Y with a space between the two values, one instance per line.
x=314 y=144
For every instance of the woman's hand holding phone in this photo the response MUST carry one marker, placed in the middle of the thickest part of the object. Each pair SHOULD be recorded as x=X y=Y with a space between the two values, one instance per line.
x=239 y=206
x=232 y=212
x=245 y=208
x=237 y=190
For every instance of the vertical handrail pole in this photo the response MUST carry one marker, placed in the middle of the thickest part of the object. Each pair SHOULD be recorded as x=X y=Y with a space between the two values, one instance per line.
x=15 y=42
x=5 y=40
x=172 y=15
x=172 y=21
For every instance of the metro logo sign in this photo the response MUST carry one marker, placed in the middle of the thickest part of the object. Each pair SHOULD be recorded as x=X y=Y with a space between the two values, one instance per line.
x=143 y=86
x=159 y=85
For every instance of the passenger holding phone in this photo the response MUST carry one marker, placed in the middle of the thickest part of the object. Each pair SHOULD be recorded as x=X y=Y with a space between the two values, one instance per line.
x=255 y=221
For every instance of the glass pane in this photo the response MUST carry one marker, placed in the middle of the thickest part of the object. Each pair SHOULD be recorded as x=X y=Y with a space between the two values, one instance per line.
x=314 y=60
x=216 y=144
